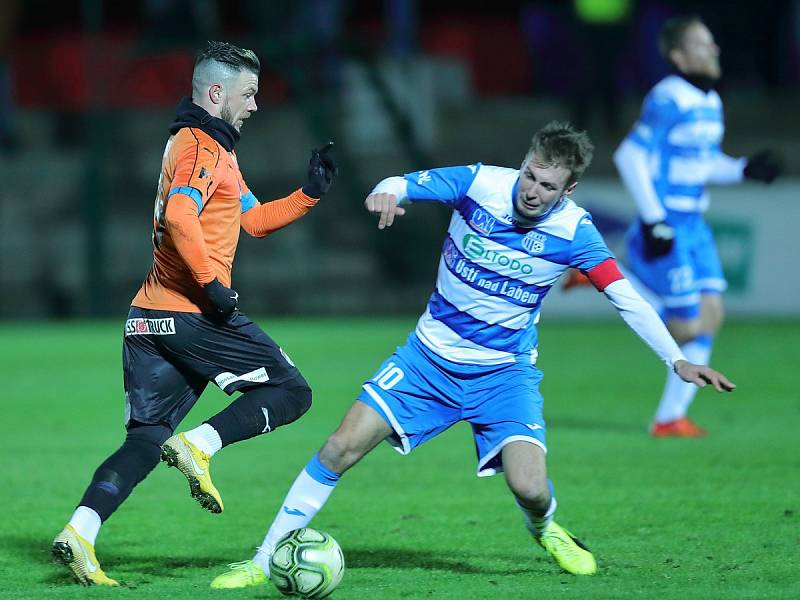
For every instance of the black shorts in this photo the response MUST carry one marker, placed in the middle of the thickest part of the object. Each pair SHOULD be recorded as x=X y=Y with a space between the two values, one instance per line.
x=168 y=358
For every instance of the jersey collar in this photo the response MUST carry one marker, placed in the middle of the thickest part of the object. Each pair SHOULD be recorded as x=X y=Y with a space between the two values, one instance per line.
x=188 y=114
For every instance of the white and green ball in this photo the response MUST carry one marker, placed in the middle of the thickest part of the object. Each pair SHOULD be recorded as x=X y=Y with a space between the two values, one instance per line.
x=306 y=563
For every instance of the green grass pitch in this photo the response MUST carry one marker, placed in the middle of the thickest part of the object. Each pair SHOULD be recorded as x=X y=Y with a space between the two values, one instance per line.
x=711 y=518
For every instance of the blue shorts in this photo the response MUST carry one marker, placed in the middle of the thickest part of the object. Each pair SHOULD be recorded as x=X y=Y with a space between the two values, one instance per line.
x=420 y=395
x=679 y=278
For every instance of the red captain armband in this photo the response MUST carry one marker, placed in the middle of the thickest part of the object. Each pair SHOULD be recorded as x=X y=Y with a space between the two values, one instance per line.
x=604 y=274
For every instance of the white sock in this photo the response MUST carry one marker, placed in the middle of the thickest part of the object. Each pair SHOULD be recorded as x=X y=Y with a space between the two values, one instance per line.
x=86 y=522
x=205 y=438
x=678 y=394
x=536 y=524
x=306 y=497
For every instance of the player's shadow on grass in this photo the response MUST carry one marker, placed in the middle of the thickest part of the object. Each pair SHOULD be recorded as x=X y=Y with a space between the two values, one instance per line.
x=399 y=558
x=37 y=551
x=165 y=566
x=594 y=425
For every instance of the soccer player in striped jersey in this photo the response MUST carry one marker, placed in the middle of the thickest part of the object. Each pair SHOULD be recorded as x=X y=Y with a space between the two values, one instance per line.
x=184 y=328
x=666 y=161
x=472 y=356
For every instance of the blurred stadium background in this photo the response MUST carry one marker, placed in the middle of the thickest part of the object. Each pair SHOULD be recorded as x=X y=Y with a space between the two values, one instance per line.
x=88 y=87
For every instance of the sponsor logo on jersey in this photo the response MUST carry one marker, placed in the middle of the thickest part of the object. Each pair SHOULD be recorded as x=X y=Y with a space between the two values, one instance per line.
x=423 y=177
x=533 y=242
x=150 y=326
x=482 y=221
x=474 y=248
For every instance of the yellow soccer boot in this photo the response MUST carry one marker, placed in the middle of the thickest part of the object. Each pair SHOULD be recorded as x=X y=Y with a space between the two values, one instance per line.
x=179 y=452
x=569 y=551
x=77 y=554
x=240 y=575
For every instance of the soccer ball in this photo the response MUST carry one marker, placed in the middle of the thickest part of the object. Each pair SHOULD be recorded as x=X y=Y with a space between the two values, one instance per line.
x=306 y=563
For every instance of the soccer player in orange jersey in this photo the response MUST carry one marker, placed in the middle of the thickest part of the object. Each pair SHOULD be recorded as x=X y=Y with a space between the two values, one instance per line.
x=184 y=328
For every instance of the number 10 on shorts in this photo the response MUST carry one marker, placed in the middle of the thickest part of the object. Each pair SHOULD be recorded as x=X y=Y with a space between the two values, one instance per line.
x=389 y=376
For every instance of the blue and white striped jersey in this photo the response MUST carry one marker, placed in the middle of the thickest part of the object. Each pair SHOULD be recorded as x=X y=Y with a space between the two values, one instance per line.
x=681 y=127
x=494 y=273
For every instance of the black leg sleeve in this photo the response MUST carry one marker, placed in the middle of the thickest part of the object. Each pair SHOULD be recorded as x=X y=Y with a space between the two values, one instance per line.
x=260 y=410
x=116 y=477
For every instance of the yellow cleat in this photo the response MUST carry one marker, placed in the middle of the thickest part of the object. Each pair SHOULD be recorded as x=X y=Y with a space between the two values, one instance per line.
x=77 y=554
x=179 y=452
x=569 y=551
x=240 y=575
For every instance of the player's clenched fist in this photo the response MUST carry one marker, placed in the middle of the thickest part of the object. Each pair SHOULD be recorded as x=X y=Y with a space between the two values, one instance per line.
x=385 y=206
x=224 y=301
x=322 y=170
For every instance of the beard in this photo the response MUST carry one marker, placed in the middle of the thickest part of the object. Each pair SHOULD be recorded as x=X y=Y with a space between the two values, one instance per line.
x=226 y=114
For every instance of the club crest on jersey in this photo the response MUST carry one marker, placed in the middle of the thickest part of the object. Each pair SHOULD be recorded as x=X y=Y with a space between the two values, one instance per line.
x=482 y=221
x=450 y=253
x=533 y=242
x=150 y=326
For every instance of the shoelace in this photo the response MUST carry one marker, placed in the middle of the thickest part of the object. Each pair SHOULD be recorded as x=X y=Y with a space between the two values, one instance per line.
x=564 y=543
x=242 y=565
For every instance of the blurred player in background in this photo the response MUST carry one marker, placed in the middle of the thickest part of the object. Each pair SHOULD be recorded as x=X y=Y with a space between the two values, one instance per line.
x=184 y=328
x=666 y=161
x=472 y=356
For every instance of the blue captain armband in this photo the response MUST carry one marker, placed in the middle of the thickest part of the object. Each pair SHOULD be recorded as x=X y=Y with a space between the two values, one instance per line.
x=193 y=193
x=248 y=201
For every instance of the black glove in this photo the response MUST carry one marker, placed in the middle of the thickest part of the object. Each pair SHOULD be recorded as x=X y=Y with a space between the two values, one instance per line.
x=763 y=166
x=658 y=239
x=224 y=301
x=321 y=171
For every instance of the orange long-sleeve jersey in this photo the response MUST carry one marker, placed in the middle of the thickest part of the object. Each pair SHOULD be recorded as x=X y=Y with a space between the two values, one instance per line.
x=201 y=203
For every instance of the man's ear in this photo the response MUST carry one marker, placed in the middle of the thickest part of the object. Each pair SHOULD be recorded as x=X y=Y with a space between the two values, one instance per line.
x=215 y=93
x=570 y=188
x=675 y=59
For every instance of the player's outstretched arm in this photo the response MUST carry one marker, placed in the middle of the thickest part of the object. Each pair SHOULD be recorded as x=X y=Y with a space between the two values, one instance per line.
x=643 y=319
x=385 y=206
x=701 y=376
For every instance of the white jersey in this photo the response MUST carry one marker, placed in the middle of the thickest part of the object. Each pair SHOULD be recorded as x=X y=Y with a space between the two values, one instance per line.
x=494 y=272
x=681 y=128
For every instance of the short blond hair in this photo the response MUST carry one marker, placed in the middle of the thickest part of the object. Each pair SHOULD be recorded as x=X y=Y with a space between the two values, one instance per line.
x=560 y=144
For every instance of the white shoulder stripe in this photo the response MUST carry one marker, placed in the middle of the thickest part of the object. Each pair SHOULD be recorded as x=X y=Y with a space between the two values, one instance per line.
x=564 y=221
x=492 y=188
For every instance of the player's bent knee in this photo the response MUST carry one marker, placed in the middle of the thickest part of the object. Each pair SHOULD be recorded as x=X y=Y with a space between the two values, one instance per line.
x=302 y=399
x=531 y=495
x=684 y=330
x=290 y=406
x=713 y=317
x=341 y=452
